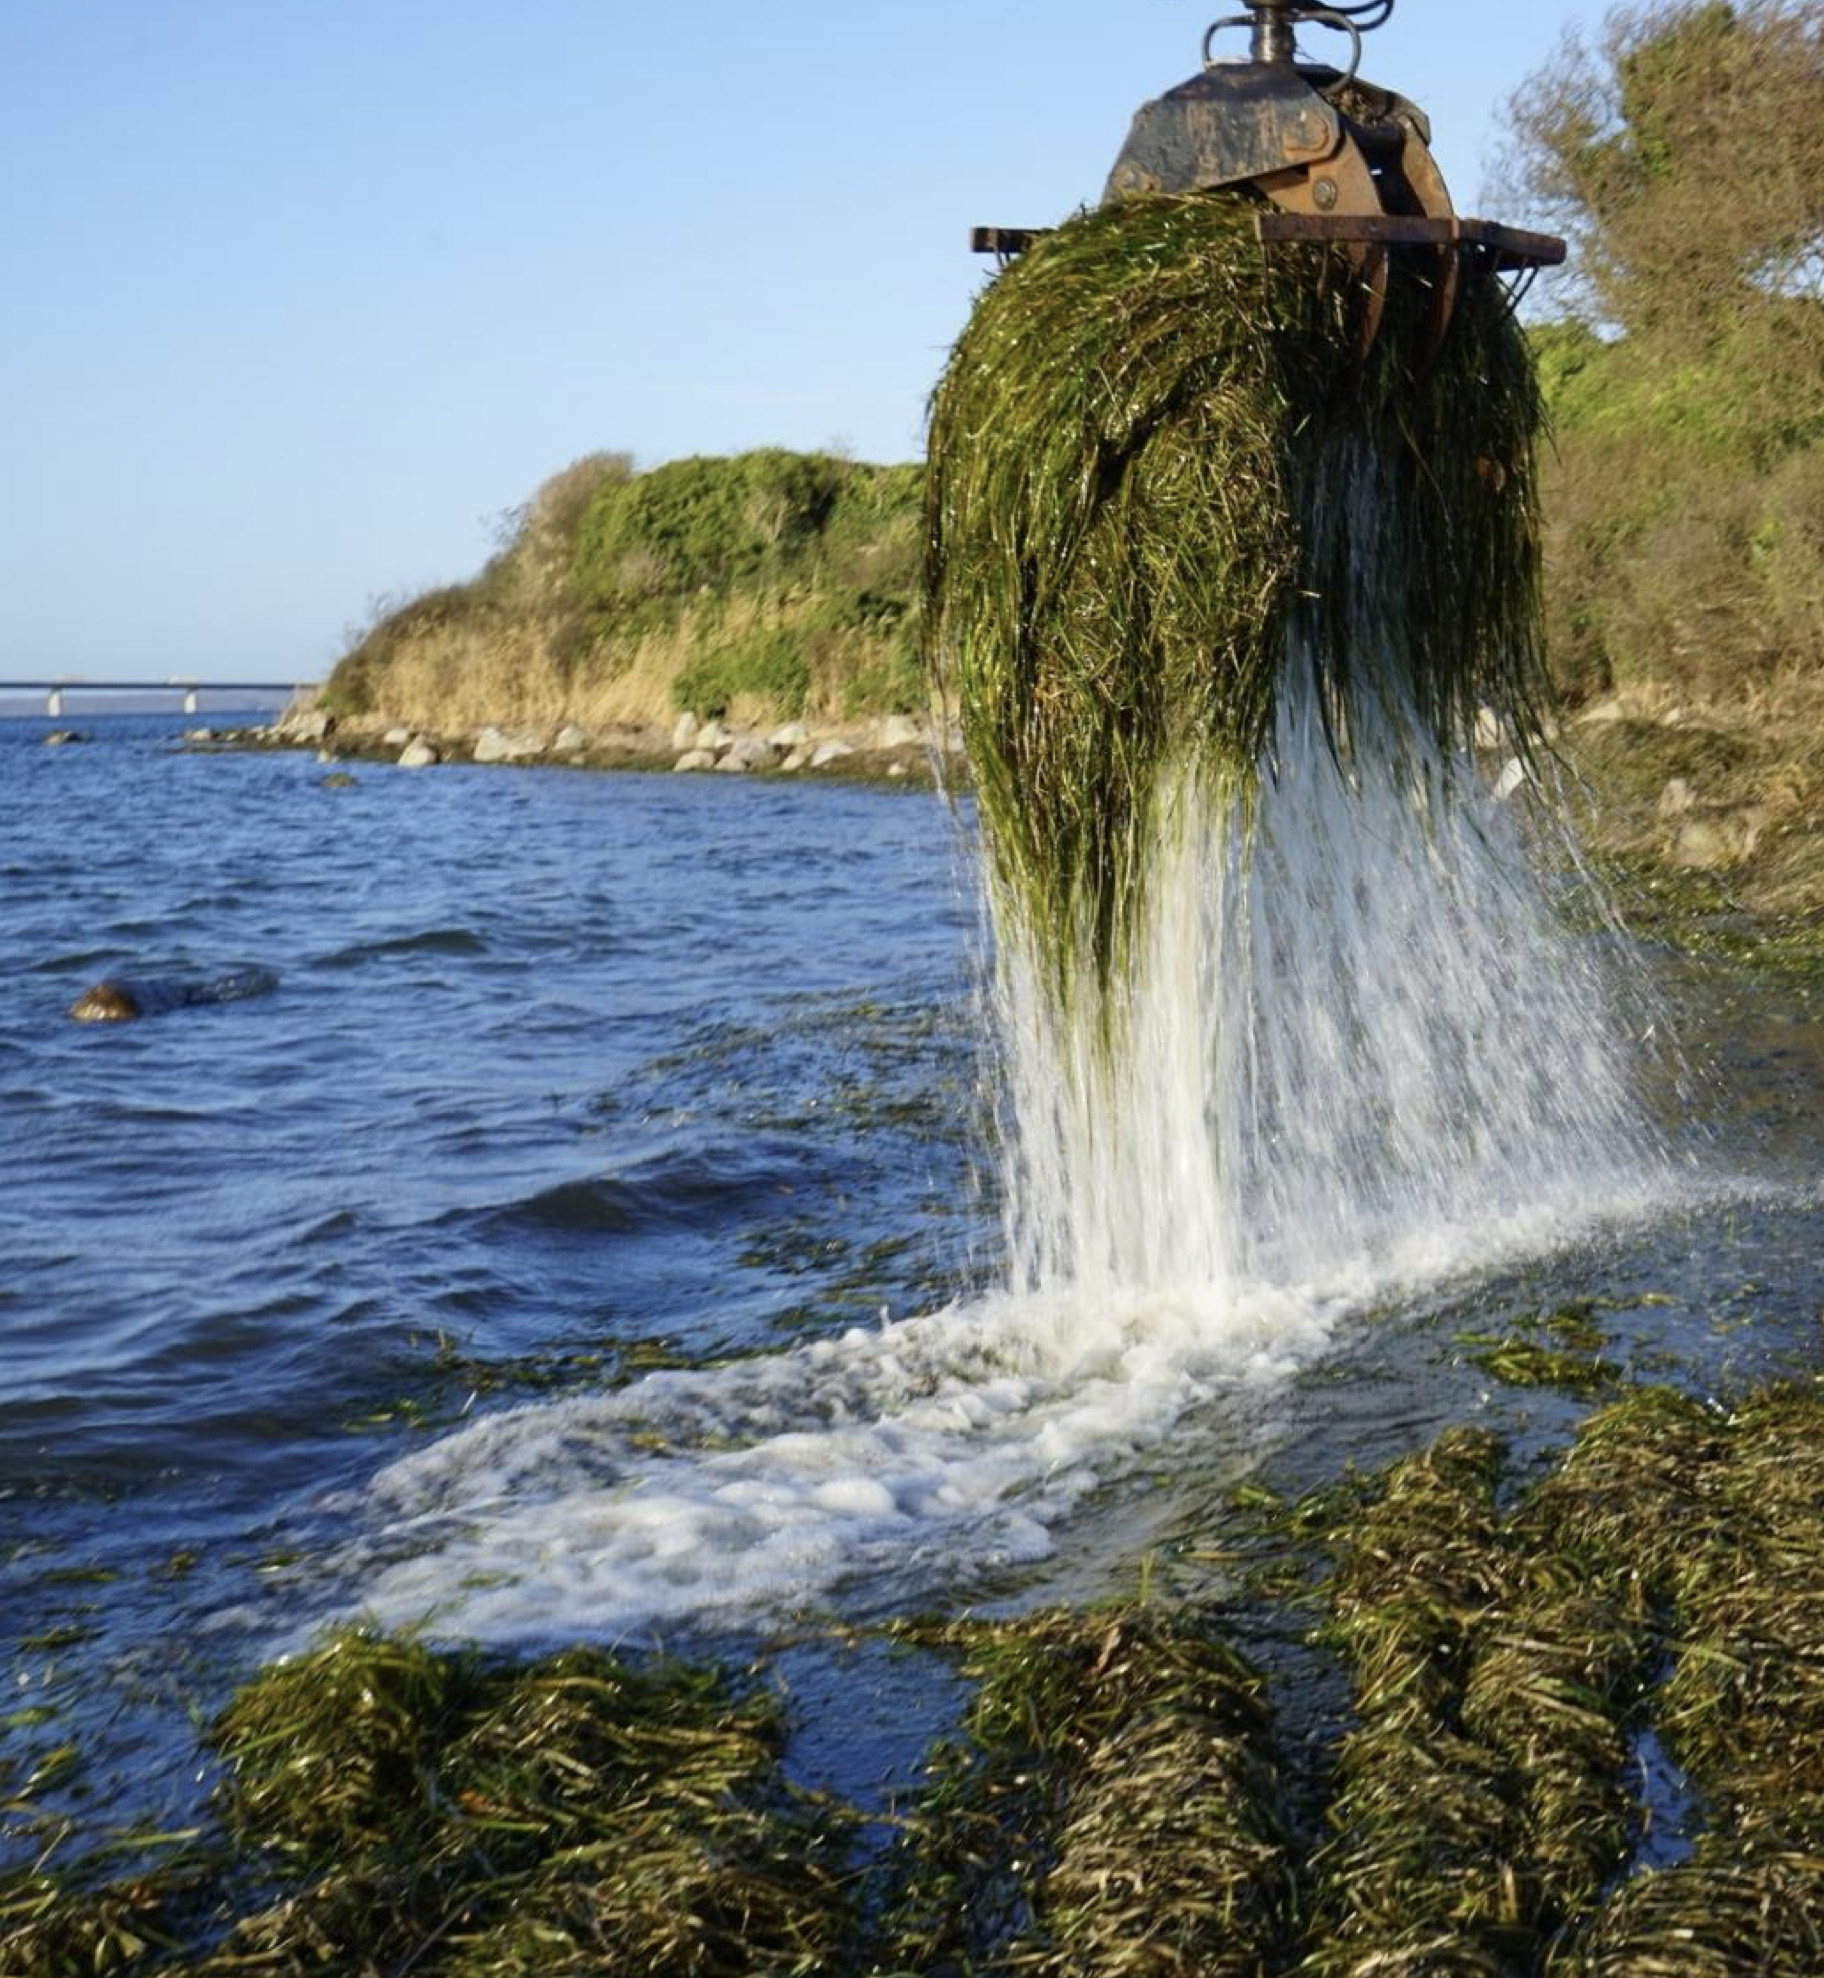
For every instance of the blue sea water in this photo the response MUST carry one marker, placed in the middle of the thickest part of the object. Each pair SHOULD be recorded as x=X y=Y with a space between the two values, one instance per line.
x=595 y=1231
x=563 y=1073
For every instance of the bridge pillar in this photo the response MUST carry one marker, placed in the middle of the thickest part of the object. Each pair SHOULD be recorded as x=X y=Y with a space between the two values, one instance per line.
x=53 y=705
x=189 y=700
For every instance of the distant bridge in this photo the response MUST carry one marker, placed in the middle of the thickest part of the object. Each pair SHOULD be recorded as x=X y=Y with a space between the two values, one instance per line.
x=191 y=690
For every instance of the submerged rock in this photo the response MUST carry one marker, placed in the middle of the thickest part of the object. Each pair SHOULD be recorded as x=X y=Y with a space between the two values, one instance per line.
x=120 y=1000
x=62 y=737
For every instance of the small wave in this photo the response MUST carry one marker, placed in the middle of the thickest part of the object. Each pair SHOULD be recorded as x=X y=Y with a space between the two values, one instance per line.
x=69 y=960
x=681 y=1187
x=428 y=941
x=334 y=1228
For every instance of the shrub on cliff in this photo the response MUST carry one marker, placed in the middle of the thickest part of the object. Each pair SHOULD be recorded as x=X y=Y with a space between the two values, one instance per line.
x=704 y=524
x=796 y=571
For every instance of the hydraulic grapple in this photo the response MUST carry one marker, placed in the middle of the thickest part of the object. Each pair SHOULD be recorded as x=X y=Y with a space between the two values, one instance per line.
x=1328 y=155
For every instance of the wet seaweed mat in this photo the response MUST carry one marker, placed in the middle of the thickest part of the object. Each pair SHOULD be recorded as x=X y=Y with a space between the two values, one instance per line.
x=1122 y=1798
x=389 y=1808
x=1161 y=472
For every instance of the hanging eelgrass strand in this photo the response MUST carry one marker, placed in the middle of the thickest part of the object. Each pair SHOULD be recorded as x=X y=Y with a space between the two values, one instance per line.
x=1159 y=468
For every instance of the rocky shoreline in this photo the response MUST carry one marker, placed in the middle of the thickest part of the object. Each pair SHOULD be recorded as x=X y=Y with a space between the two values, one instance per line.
x=1724 y=805
x=885 y=748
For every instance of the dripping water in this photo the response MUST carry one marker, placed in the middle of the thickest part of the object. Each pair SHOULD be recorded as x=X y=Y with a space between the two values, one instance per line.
x=1353 y=1032
x=1351 y=1056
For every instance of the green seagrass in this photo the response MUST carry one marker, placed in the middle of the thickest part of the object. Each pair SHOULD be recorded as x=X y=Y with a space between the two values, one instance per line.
x=1161 y=472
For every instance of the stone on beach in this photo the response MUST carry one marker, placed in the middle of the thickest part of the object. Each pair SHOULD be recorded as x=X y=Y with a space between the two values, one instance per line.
x=508 y=744
x=748 y=752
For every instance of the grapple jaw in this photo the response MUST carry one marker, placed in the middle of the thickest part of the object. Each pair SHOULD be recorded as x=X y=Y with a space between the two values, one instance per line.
x=1331 y=157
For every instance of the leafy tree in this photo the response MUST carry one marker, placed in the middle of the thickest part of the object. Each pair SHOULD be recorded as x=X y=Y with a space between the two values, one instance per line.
x=1683 y=155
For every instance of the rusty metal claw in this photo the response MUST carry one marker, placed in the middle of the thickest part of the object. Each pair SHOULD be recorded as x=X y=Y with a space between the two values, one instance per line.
x=1332 y=158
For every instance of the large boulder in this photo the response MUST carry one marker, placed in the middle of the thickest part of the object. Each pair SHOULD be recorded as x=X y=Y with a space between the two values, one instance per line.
x=748 y=752
x=902 y=731
x=508 y=744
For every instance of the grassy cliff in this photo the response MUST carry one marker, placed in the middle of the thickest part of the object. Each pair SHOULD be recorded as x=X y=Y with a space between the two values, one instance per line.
x=766 y=585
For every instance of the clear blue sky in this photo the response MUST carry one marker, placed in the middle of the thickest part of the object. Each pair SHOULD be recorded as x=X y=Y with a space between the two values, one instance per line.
x=300 y=293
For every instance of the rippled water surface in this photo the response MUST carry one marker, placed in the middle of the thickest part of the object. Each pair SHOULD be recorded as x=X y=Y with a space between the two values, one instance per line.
x=595 y=1232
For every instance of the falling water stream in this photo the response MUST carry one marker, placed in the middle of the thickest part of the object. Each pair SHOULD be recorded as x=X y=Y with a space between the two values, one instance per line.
x=1354 y=1040
x=1353 y=1056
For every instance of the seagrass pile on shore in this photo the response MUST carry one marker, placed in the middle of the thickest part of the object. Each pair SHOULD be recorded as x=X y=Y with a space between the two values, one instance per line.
x=1493 y=1810
x=1114 y=1807
x=1121 y=1798
x=389 y=1808
x=1161 y=472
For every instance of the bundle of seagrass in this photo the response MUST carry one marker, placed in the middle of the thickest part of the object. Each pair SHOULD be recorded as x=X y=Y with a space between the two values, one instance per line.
x=391 y=1807
x=1161 y=471
x=1113 y=1810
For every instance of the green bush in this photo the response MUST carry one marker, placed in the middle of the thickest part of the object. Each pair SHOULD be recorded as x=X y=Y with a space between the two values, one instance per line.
x=1678 y=150
x=704 y=524
x=770 y=664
